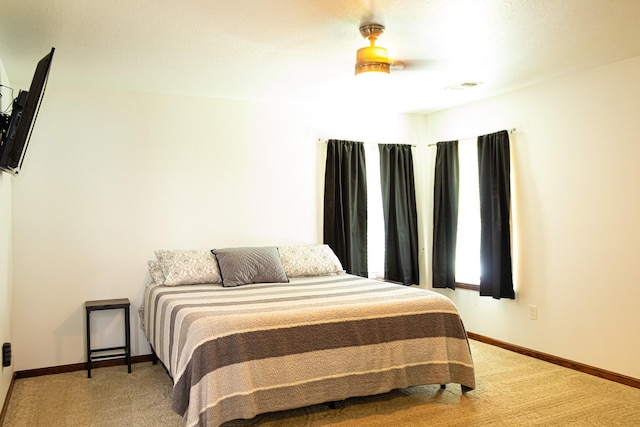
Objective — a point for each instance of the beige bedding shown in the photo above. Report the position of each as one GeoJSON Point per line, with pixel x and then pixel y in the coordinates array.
{"type": "Point", "coordinates": [241, 351]}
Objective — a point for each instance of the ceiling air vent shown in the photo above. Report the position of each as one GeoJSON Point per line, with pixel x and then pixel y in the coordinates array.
{"type": "Point", "coordinates": [463, 86]}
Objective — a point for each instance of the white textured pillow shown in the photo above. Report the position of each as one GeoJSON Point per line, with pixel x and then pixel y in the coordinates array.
{"type": "Point", "coordinates": [187, 267]}
{"type": "Point", "coordinates": [309, 260]}
{"type": "Point", "coordinates": [155, 271]}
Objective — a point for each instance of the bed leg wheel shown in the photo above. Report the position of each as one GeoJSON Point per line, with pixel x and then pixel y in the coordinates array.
{"type": "Point", "coordinates": [443, 386]}
{"type": "Point", "coordinates": [465, 389]}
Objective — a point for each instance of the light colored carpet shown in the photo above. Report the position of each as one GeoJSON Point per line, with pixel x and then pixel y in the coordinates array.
{"type": "Point", "coordinates": [512, 390]}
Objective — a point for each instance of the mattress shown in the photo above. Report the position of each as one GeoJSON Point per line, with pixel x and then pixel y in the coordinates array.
{"type": "Point", "coordinates": [237, 352]}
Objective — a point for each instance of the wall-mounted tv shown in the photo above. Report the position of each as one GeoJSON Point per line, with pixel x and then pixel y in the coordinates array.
{"type": "Point", "coordinates": [16, 126]}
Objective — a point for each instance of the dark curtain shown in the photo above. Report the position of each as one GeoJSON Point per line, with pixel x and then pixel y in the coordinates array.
{"type": "Point", "coordinates": [345, 204]}
{"type": "Point", "coordinates": [400, 214]}
{"type": "Point", "coordinates": [445, 215]}
{"type": "Point", "coordinates": [495, 216]}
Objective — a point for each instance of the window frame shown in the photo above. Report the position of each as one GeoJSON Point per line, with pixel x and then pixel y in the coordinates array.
{"type": "Point", "coordinates": [468, 286]}
{"type": "Point", "coordinates": [470, 146]}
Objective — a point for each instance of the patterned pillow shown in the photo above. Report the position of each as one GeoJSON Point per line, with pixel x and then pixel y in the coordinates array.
{"type": "Point", "coordinates": [240, 266]}
{"type": "Point", "coordinates": [310, 260]}
{"type": "Point", "coordinates": [188, 267]}
{"type": "Point", "coordinates": [155, 271]}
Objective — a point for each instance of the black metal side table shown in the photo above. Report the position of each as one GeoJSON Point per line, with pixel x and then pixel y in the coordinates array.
{"type": "Point", "coordinates": [111, 352]}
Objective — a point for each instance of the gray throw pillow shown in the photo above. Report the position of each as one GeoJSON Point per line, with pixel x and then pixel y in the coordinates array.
{"type": "Point", "coordinates": [240, 266]}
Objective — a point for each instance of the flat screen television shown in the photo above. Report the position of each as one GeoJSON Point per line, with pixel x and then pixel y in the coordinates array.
{"type": "Point", "coordinates": [16, 127]}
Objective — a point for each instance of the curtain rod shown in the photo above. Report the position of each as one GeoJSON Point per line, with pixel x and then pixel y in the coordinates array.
{"type": "Point", "coordinates": [512, 130]}
{"type": "Point", "coordinates": [324, 141]}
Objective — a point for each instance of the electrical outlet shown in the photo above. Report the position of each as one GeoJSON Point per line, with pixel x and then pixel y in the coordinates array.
{"type": "Point", "coordinates": [6, 354]}
{"type": "Point", "coordinates": [533, 312]}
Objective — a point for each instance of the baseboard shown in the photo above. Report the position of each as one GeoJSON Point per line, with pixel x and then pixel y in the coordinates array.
{"type": "Point", "coordinates": [5, 405]}
{"type": "Point", "coordinates": [79, 367]}
{"type": "Point", "coordinates": [587, 369]}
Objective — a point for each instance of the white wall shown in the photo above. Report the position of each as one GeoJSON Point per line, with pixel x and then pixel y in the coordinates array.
{"type": "Point", "coordinates": [112, 176]}
{"type": "Point", "coordinates": [576, 208]}
{"type": "Point", "coordinates": [5, 254]}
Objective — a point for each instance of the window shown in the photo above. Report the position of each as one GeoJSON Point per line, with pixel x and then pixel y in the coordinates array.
{"type": "Point", "coordinates": [369, 238]}
{"type": "Point", "coordinates": [375, 215]}
{"type": "Point", "coordinates": [457, 236]}
{"type": "Point", "coordinates": [468, 237]}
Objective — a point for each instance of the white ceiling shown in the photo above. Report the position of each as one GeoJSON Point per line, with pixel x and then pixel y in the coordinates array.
{"type": "Point", "coordinates": [303, 51]}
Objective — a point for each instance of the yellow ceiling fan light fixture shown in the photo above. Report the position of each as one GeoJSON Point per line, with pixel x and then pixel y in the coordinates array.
{"type": "Point", "coordinates": [372, 58]}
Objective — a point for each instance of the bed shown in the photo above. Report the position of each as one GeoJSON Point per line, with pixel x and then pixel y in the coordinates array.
{"type": "Point", "coordinates": [234, 351]}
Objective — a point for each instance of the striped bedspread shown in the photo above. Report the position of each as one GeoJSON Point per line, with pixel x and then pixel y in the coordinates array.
{"type": "Point", "coordinates": [237, 352]}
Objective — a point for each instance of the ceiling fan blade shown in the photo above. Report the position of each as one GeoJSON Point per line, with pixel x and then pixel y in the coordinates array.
{"type": "Point", "coordinates": [411, 64]}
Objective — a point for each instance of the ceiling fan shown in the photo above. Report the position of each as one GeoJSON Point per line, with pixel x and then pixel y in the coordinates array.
{"type": "Point", "coordinates": [374, 58]}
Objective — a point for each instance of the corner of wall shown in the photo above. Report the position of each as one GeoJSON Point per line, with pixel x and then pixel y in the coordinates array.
{"type": "Point", "coordinates": [6, 261]}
